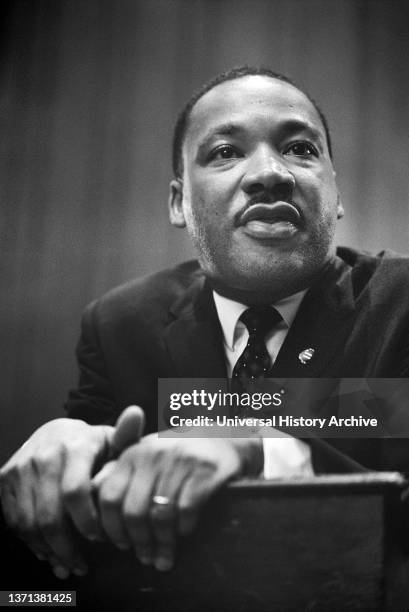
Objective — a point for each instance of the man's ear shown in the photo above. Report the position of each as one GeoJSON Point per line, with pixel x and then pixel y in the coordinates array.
{"type": "Point", "coordinates": [340, 208]}
{"type": "Point", "coordinates": [176, 214]}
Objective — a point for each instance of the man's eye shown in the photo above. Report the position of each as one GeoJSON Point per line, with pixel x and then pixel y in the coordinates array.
{"type": "Point", "coordinates": [302, 149]}
{"type": "Point", "coordinates": [224, 152]}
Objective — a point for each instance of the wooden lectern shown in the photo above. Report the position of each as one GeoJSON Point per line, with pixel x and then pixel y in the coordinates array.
{"type": "Point", "coordinates": [328, 543]}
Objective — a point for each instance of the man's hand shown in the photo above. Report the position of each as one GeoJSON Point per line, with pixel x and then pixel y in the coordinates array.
{"type": "Point", "coordinates": [46, 486]}
{"type": "Point", "coordinates": [154, 491]}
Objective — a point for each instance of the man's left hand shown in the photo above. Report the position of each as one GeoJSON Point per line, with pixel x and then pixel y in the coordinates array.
{"type": "Point", "coordinates": [155, 489]}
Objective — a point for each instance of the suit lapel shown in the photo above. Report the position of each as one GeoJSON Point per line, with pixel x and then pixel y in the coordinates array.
{"type": "Point", "coordinates": [323, 323]}
{"type": "Point", "coordinates": [194, 338]}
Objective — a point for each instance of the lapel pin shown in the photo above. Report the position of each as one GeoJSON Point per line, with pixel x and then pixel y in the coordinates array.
{"type": "Point", "coordinates": [306, 355]}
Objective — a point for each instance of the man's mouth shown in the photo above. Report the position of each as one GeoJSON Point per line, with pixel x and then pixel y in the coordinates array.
{"type": "Point", "coordinates": [271, 221]}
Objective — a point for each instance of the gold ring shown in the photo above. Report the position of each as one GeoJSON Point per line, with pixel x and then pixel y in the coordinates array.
{"type": "Point", "coordinates": [161, 500]}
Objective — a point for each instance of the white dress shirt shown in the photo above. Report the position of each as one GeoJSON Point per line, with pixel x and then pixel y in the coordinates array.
{"type": "Point", "coordinates": [284, 456]}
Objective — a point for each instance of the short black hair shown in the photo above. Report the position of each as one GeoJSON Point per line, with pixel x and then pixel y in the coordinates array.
{"type": "Point", "coordinates": [230, 75]}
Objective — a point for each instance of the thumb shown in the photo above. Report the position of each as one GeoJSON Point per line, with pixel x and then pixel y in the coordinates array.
{"type": "Point", "coordinates": [128, 429]}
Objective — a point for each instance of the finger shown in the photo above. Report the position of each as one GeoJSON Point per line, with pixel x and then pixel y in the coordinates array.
{"type": "Point", "coordinates": [54, 524]}
{"type": "Point", "coordinates": [8, 504]}
{"type": "Point", "coordinates": [163, 521]}
{"type": "Point", "coordinates": [96, 482]}
{"type": "Point", "coordinates": [136, 508]}
{"type": "Point", "coordinates": [59, 570]}
{"type": "Point", "coordinates": [22, 505]}
{"type": "Point", "coordinates": [196, 491]}
{"type": "Point", "coordinates": [65, 556]}
{"type": "Point", "coordinates": [110, 501]}
{"type": "Point", "coordinates": [128, 430]}
{"type": "Point", "coordinates": [164, 515]}
{"type": "Point", "coordinates": [19, 514]}
{"type": "Point", "coordinates": [77, 495]}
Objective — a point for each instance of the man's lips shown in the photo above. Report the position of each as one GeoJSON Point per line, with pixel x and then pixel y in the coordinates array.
{"type": "Point", "coordinates": [272, 222]}
{"type": "Point", "coordinates": [271, 213]}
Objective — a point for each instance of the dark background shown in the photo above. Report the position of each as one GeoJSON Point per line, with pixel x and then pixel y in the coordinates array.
{"type": "Point", "coordinates": [89, 91]}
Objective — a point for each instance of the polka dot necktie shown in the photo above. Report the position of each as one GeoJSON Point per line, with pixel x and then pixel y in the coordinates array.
{"type": "Point", "coordinates": [254, 362]}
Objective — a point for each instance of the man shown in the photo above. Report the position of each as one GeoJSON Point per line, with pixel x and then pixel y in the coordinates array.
{"type": "Point", "coordinates": [255, 188]}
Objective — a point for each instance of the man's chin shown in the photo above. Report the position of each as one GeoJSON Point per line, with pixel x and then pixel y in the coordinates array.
{"type": "Point", "coordinates": [270, 279]}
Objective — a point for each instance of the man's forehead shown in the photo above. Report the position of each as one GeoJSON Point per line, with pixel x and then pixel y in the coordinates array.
{"type": "Point", "coordinates": [247, 95]}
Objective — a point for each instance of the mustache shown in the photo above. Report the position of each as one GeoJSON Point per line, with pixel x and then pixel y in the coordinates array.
{"type": "Point", "coordinates": [269, 198]}
{"type": "Point", "coordinates": [278, 193]}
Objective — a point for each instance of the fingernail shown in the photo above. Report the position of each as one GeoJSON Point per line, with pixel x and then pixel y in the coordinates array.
{"type": "Point", "coordinates": [61, 572]}
{"type": "Point", "coordinates": [80, 570]}
{"type": "Point", "coordinates": [163, 564]}
{"type": "Point", "coordinates": [92, 537]}
{"type": "Point", "coordinates": [40, 556]}
{"type": "Point", "coordinates": [95, 537]}
{"type": "Point", "coordinates": [144, 556]}
{"type": "Point", "coordinates": [145, 560]}
{"type": "Point", "coordinates": [123, 545]}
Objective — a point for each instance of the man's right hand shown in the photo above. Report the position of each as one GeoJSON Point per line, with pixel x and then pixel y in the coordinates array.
{"type": "Point", "coordinates": [46, 487]}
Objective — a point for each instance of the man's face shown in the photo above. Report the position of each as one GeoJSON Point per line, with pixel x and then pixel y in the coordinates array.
{"type": "Point", "coordinates": [258, 193]}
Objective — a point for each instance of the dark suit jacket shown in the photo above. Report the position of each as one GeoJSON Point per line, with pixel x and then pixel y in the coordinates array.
{"type": "Point", "coordinates": [356, 317]}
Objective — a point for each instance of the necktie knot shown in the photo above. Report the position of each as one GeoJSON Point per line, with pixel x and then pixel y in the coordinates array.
{"type": "Point", "coordinates": [259, 320]}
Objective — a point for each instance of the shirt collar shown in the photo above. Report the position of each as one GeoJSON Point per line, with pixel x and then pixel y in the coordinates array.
{"type": "Point", "coordinates": [229, 312]}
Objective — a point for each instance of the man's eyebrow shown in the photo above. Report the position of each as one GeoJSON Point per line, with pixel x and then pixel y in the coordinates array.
{"type": "Point", "coordinates": [298, 125]}
{"type": "Point", "coordinates": [224, 129]}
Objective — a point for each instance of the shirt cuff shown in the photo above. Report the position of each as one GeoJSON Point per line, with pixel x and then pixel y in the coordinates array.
{"type": "Point", "coordinates": [285, 457]}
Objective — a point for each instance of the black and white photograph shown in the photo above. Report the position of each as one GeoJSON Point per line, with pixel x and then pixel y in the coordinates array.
{"type": "Point", "coordinates": [204, 311]}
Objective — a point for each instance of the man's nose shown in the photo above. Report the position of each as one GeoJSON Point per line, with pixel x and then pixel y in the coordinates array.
{"type": "Point", "coordinates": [267, 172]}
